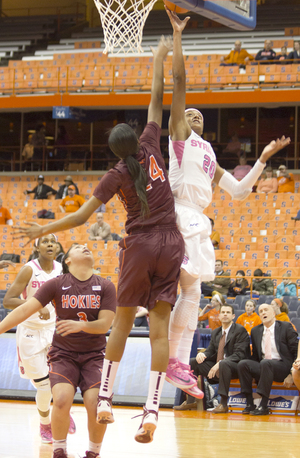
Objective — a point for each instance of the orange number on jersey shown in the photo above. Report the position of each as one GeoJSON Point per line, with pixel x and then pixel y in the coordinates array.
{"type": "Point", "coordinates": [155, 171]}
{"type": "Point", "coordinates": [82, 316]}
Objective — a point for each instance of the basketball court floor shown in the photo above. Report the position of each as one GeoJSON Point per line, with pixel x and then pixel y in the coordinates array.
{"type": "Point", "coordinates": [190, 434]}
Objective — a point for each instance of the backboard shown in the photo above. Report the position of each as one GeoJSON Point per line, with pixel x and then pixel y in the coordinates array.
{"type": "Point", "coordinates": [237, 14]}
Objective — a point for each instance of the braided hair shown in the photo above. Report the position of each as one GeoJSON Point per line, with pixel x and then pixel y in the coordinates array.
{"type": "Point", "coordinates": [124, 144]}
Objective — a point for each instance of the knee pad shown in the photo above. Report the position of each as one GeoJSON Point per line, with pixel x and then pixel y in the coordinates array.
{"type": "Point", "coordinates": [187, 305]}
{"type": "Point", "coordinates": [43, 394]}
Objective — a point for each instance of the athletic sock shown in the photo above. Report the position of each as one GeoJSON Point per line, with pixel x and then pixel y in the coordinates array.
{"type": "Point", "coordinates": [60, 444]}
{"type": "Point", "coordinates": [45, 420]}
{"type": "Point", "coordinates": [94, 447]}
{"type": "Point", "coordinates": [109, 373]}
{"type": "Point", "coordinates": [156, 383]}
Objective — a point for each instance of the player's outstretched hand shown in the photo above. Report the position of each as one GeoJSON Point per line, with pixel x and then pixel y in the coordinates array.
{"type": "Point", "coordinates": [33, 232]}
{"type": "Point", "coordinates": [177, 24]}
{"type": "Point", "coordinates": [273, 147]}
{"type": "Point", "coordinates": [165, 45]}
{"type": "Point", "coordinates": [4, 264]}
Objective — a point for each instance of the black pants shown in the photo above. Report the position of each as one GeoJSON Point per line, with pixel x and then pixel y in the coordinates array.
{"type": "Point", "coordinates": [227, 371]}
{"type": "Point", "coordinates": [264, 372]}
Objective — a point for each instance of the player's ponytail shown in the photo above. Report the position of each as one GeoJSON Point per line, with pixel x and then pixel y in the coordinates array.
{"type": "Point", "coordinates": [124, 144]}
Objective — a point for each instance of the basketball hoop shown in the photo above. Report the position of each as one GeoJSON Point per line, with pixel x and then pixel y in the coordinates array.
{"type": "Point", "coordinates": [123, 23]}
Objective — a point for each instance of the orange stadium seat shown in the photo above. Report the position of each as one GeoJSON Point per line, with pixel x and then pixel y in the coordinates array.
{"type": "Point", "coordinates": [266, 263]}
{"type": "Point", "coordinates": [294, 272]}
{"type": "Point", "coordinates": [246, 263]}
{"type": "Point", "coordinates": [284, 246]}
{"type": "Point", "coordinates": [287, 263]}
{"type": "Point", "coordinates": [266, 246]}
{"type": "Point", "coordinates": [254, 254]}
{"type": "Point", "coordinates": [228, 246]}
{"type": "Point", "coordinates": [252, 246]}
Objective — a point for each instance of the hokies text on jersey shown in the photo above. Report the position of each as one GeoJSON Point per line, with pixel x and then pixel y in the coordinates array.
{"type": "Point", "coordinates": [90, 301]}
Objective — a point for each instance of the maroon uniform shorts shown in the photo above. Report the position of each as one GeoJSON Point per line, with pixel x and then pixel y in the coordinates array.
{"type": "Point", "coordinates": [81, 370]}
{"type": "Point", "coordinates": [150, 267]}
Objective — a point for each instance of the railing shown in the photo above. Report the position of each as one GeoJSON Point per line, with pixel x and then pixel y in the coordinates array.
{"type": "Point", "coordinates": [94, 156]}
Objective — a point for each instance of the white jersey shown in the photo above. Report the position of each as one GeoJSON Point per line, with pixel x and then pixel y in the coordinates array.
{"type": "Point", "coordinates": [191, 170]}
{"type": "Point", "coordinates": [38, 278]}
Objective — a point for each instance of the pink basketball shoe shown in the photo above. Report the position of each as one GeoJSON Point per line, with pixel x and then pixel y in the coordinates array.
{"type": "Point", "coordinates": [46, 433]}
{"type": "Point", "coordinates": [72, 427]}
{"type": "Point", "coordinates": [179, 377]}
{"type": "Point", "coordinates": [194, 390]}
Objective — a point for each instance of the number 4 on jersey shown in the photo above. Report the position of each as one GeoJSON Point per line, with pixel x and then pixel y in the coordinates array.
{"type": "Point", "coordinates": [155, 172]}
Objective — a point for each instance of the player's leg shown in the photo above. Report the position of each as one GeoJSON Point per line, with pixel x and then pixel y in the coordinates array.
{"type": "Point", "coordinates": [96, 430]}
{"type": "Point", "coordinates": [183, 323]}
{"type": "Point", "coordinates": [159, 318]}
{"type": "Point", "coordinates": [63, 395]}
{"type": "Point", "coordinates": [122, 326]}
{"type": "Point", "coordinates": [43, 399]}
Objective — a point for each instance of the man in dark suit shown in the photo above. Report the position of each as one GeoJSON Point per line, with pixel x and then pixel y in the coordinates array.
{"type": "Point", "coordinates": [63, 189]}
{"type": "Point", "coordinates": [228, 345]}
{"type": "Point", "coordinates": [274, 349]}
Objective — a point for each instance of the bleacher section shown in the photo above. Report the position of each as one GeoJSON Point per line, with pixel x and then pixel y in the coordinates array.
{"type": "Point", "coordinates": [106, 255]}
{"type": "Point", "coordinates": [255, 233]}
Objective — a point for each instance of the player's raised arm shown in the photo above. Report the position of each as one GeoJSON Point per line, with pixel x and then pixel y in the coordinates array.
{"type": "Point", "coordinates": [157, 91]}
{"type": "Point", "coordinates": [178, 126]}
{"type": "Point", "coordinates": [73, 220]}
{"type": "Point", "coordinates": [240, 190]}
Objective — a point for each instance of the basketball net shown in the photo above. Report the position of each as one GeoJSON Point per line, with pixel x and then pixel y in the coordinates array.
{"type": "Point", "coordinates": [123, 23]}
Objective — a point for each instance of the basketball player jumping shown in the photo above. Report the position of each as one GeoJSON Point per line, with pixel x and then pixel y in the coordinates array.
{"type": "Point", "coordinates": [193, 168]}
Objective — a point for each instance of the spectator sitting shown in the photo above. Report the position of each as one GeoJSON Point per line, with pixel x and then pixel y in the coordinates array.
{"type": "Point", "coordinates": [211, 311]}
{"type": "Point", "coordinates": [262, 285]}
{"type": "Point", "coordinates": [5, 216]}
{"type": "Point", "coordinates": [295, 54]}
{"type": "Point", "coordinates": [286, 287]}
{"type": "Point", "coordinates": [240, 286]}
{"type": "Point", "coordinates": [283, 55]}
{"type": "Point", "coordinates": [141, 317]}
{"type": "Point", "coordinates": [237, 56]}
{"type": "Point", "coordinates": [285, 180]}
{"type": "Point", "coordinates": [72, 202]}
{"type": "Point", "coordinates": [59, 252]}
{"type": "Point", "coordinates": [229, 344]}
{"type": "Point", "coordinates": [281, 311]}
{"type": "Point", "coordinates": [267, 53]}
{"type": "Point", "coordinates": [240, 171]}
{"type": "Point", "coordinates": [215, 235]}
{"type": "Point", "coordinates": [41, 191]}
{"type": "Point", "coordinates": [274, 349]}
{"type": "Point", "coordinates": [268, 183]}
{"type": "Point", "coordinates": [63, 189]}
{"type": "Point", "coordinates": [220, 283]}
{"type": "Point", "coordinates": [249, 319]}
{"type": "Point", "coordinates": [100, 230]}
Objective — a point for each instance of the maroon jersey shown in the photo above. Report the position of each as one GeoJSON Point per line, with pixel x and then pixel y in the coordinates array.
{"type": "Point", "coordinates": [159, 194]}
{"type": "Point", "coordinates": [78, 300]}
